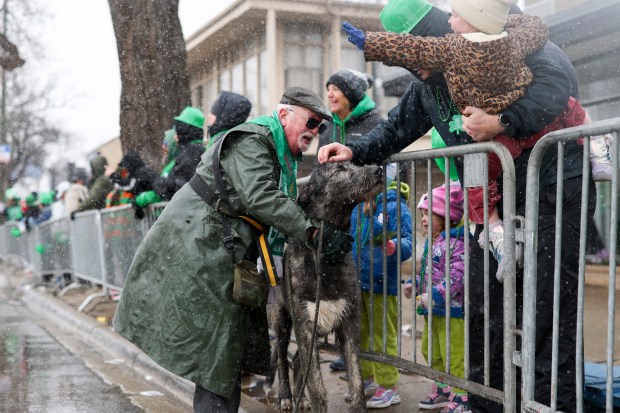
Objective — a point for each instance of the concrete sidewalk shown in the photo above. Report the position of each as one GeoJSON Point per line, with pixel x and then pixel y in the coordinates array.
{"type": "Point", "coordinates": [254, 400]}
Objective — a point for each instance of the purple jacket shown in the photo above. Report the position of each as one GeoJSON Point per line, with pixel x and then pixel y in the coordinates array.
{"type": "Point", "coordinates": [457, 269]}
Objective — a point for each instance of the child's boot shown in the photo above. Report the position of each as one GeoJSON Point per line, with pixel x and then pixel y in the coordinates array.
{"type": "Point", "coordinates": [437, 398]}
{"type": "Point", "coordinates": [459, 403]}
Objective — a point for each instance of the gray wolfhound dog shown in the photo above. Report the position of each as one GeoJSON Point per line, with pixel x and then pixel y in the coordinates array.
{"type": "Point", "coordinates": [331, 194]}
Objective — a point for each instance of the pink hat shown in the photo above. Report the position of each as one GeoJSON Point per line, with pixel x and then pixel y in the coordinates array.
{"type": "Point", "coordinates": [439, 202]}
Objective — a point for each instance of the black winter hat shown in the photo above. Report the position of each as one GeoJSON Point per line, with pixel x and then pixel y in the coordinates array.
{"type": "Point", "coordinates": [132, 162]}
{"type": "Point", "coordinates": [230, 109]}
{"type": "Point", "coordinates": [352, 83]}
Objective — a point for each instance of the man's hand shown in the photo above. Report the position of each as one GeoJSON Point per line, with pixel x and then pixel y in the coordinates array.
{"type": "Point", "coordinates": [480, 125]}
{"type": "Point", "coordinates": [336, 244]}
{"type": "Point", "coordinates": [334, 152]}
{"type": "Point", "coordinates": [356, 36]}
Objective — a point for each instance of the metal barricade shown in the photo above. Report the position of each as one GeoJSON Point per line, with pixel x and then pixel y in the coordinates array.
{"type": "Point", "coordinates": [53, 248]}
{"type": "Point", "coordinates": [153, 212]}
{"type": "Point", "coordinates": [475, 175]}
{"type": "Point", "coordinates": [532, 263]}
{"type": "Point", "coordinates": [5, 239]}
{"type": "Point", "coordinates": [122, 234]}
{"type": "Point", "coordinates": [87, 245]}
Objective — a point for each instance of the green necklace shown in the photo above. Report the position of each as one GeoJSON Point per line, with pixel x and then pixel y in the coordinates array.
{"type": "Point", "coordinates": [456, 124]}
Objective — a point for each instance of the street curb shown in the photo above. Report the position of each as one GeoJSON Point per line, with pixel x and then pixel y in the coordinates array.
{"type": "Point", "coordinates": [106, 341]}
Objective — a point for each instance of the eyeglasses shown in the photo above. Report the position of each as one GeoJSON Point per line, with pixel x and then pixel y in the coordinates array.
{"type": "Point", "coordinates": [311, 123]}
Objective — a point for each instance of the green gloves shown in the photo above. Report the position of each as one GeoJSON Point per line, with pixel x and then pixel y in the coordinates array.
{"type": "Point", "coordinates": [147, 198]}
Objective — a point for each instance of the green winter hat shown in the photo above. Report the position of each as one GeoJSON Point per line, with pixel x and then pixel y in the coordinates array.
{"type": "Point", "coordinates": [400, 16]}
{"type": "Point", "coordinates": [31, 200]}
{"type": "Point", "coordinates": [47, 198]}
{"type": "Point", "coordinates": [10, 193]}
{"type": "Point", "coordinates": [192, 116]}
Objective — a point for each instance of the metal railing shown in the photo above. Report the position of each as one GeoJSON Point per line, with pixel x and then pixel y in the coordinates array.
{"type": "Point", "coordinates": [530, 296]}
{"type": "Point", "coordinates": [99, 245]}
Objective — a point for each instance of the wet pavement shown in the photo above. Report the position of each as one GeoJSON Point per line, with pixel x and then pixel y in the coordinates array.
{"type": "Point", "coordinates": [38, 374]}
{"type": "Point", "coordinates": [46, 367]}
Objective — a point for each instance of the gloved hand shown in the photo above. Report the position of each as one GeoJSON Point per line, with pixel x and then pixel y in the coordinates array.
{"type": "Point", "coordinates": [422, 300]}
{"type": "Point", "coordinates": [336, 244]}
{"type": "Point", "coordinates": [356, 36]}
{"type": "Point", "coordinates": [138, 211]}
{"type": "Point", "coordinates": [147, 198]}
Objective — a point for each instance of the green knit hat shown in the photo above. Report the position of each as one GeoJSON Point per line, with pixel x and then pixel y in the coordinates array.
{"type": "Point", "coordinates": [192, 116]}
{"type": "Point", "coordinates": [31, 200]}
{"type": "Point", "coordinates": [400, 16]}
{"type": "Point", "coordinates": [47, 198]}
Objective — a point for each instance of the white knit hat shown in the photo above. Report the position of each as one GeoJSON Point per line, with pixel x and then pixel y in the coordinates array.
{"type": "Point", "coordinates": [488, 16]}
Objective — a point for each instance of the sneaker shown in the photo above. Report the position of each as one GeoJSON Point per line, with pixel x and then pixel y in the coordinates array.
{"type": "Point", "coordinates": [459, 403]}
{"type": "Point", "coordinates": [337, 365]}
{"type": "Point", "coordinates": [383, 398]}
{"type": "Point", "coordinates": [437, 398]}
{"type": "Point", "coordinates": [600, 158]}
{"type": "Point", "coordinates": [370, 387]}
{"type": "Point", "coordinates": [601, 257]}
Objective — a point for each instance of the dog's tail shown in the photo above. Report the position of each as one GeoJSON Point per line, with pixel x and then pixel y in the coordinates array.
{"type": "Point", "coordinates": [273, 368]}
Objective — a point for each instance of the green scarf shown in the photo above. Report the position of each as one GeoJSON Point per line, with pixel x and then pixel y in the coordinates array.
{"type": "Point", "coordinates": [365, 105]}
{"type": "Point", "coordinates": [288, 174]}
{"type": "Point", "coordinates": [215, 137]}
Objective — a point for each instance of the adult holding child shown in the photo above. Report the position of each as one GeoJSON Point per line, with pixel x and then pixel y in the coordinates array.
{"type": "Point", "coordinates": [426, 104]}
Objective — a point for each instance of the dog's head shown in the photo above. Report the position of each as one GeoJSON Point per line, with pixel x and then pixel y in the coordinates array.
{"type": "Point", "coordinates": [335, 188]}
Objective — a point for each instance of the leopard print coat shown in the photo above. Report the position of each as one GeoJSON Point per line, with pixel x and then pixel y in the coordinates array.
{"type": "Point", "coordinates": [489, 74]}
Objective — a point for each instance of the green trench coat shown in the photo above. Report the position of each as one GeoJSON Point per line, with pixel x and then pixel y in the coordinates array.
{"type": "Point", "coordinates": [177, 303]}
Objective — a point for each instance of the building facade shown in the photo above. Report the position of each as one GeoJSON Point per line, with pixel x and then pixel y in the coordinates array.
{"type": "Point", "coordinates": [258, 48]}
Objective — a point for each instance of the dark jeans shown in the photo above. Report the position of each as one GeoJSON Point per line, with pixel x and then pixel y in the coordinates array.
{"type": "Point", "coordinates": [205, 401]}
{"type": "Point", "coordinates": [571, 217]}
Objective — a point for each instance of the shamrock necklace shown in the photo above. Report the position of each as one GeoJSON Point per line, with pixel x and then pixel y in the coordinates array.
{"type": "Point", "coordinates": [456, 124]}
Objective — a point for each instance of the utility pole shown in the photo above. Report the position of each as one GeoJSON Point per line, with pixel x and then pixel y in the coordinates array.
{"type": "Point", "coordinates": [4, 167]}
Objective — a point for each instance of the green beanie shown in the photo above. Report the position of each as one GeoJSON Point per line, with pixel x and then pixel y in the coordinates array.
{"type": "Point", "coordinates": [400, 16]}
{"type": "Point", "coordinates": [191, 116]}
{"type": "Point", "coordinates": [31, 200]}
{"type": "Point", "coordinates": [437, 142]}
{"type": "Point", "coordinates": [10, 193]}
{"type": "Point", "coordinates": [47, 198]}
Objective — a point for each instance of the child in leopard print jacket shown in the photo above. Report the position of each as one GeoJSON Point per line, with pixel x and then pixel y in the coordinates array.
{"type": "Point", "coordinates": [483, 64]}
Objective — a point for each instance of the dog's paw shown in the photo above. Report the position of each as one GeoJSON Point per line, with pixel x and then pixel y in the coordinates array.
{"type": "Point", "coordinates": [286, 404]}
{"type": "Point", "coordinates": [305, 404]}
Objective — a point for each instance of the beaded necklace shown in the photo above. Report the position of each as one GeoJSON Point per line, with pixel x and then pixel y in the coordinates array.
{"type": "Point", "coordinates": [456, 124]}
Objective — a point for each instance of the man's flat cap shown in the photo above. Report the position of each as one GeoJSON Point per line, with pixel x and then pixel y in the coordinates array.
{"type": "Point", "coordinates": [300, 96]}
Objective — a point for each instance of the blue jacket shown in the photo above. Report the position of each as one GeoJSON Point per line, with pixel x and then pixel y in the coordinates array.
{"type": "Point", "coordinates": [379, 219]}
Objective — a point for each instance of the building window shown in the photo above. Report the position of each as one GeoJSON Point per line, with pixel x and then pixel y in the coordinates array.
{"type": "Point", "coordinates": [198, 97]}
{"type": "Point", "coordinates": [251, 83]}
{"type": "Point", "coordinates": [238, 84]}
{"type": "Point", "coordinates": [211, 94]}
{"type": "Point", "coordinates": [263, 65]}
{"type": "Point", "coordinates": [303, 58]}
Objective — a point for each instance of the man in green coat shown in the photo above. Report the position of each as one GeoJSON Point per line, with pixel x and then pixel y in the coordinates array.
{"type": "Point", "coordinates": [98, 187]}
{"type": "Point", "coordinates": [177, 303]}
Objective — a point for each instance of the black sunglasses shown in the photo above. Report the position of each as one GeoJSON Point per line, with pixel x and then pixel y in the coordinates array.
{"type": "Point", "coordinates": [311, 123]}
